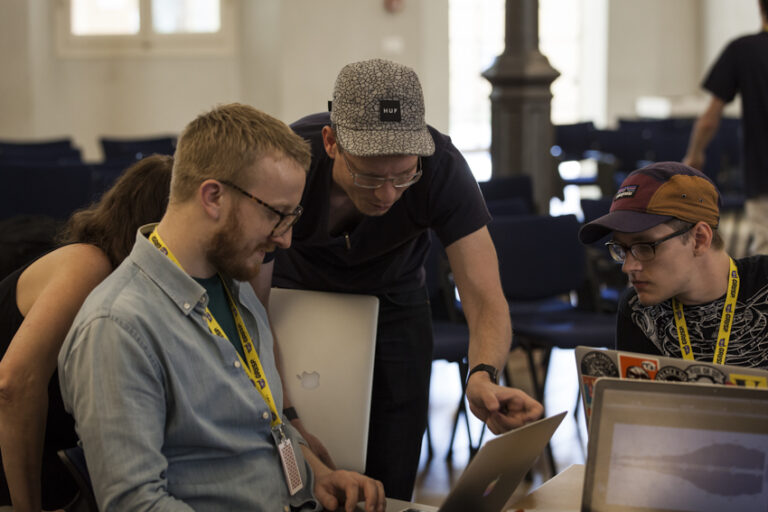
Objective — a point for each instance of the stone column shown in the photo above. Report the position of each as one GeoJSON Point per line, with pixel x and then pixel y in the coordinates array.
{"type": "Point", "coordinates": [521, 128]}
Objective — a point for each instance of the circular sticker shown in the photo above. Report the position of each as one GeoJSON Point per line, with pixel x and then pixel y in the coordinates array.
{"type": "Point", "coordinates": [597, 364]}
{"type": "Point", "coordinates": [671, 374]}
{"type": "Point", "coordinates": [703, 373]}
{"type": "Point", "coordinates": [637, 372]}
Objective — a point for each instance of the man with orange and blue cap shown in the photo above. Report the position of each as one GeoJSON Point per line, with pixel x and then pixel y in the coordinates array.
{"type": "Point", "coordinates": [688, 297]}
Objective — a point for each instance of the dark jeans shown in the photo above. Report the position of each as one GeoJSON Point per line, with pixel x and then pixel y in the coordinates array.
{"type": "Point", "coordinates": [400, 399]}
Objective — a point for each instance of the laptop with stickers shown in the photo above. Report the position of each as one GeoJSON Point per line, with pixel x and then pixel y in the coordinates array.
{"type": "Point", "coordinates": [676, 446]}
{"type": "Point", "coordinates": [592, 363]}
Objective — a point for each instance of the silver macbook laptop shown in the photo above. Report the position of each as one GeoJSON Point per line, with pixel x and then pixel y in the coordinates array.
{"type": "Point", "coordinates": [496, 470]}
{"type": "Point", "coordinates": [676, 447]}
{"type": "Point", "coordinates": [592, 363]}
{"type": "Point", "coordinates": [327, 345]}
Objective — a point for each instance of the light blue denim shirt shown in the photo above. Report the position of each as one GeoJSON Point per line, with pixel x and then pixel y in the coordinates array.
{"type": "Point", "coordinates": [166, 415]}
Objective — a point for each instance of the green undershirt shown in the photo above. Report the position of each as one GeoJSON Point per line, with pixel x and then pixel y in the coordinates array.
{"type": "Point", "coordinates": [218, 304]}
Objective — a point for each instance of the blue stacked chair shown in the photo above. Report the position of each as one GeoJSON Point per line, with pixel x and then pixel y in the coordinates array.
{"type": "Point", "coordinates": [129, 150]}
{"type": "Point", "coordinates": [542, 266]}
{"type": "Point", "coordinates": [39, 153]}
{"type": "Point", "coordinates": [53, 191]}
{"type": "Point", "coordinates": [508, 195]}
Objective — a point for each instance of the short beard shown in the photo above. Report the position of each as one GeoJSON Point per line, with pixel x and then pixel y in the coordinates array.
{"type": "Point", "coordinates": [226, 253]}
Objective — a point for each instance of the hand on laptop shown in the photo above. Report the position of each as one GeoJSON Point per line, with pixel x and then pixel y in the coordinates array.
{"type": "Point", "coordinates": [501, 408]}
{"type": "Point", "coordinates": [334, 488]}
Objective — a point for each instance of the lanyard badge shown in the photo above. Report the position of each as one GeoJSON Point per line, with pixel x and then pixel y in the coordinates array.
{"type": "Point", "coordinates": [726, 320]}
{"type": "Point", "coordinates": [255, 373]}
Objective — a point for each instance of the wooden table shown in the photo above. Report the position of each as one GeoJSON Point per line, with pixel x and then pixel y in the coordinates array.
{"type": "Point", "coordinates": [559, 494]}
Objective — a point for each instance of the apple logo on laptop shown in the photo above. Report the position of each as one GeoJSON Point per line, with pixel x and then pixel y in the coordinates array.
{"type": "Point", "coordinates": [491, 487]}
{"type": "Point", "coordinates": [309, 380]}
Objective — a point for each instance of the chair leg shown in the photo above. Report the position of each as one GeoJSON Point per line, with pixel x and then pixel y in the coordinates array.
{"type": "Point", "coordinates": [576, 409]}
{"type": "Point", "coordinates": [430, 449]}
{"type": "Point", "coordinates": [538, 389]}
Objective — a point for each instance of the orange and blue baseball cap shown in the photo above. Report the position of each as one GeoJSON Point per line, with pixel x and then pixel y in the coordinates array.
{"type": "Point", "coordinates": [655, 194]}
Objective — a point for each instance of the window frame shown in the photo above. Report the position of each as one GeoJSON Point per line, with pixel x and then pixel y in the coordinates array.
{"type": "Point", "coordinates": [146, 42]}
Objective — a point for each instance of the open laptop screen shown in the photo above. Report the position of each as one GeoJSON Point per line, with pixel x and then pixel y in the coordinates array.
{"type": "Point", "coordinates": [672, 446]}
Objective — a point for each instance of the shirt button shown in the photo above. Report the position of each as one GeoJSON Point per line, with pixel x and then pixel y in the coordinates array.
{"type": "Point", "coordinates": [186, 305]}
{"type": "Point", "coordinates": [237, 364]}
{"type": "Point", "coordinates": [265, 415]}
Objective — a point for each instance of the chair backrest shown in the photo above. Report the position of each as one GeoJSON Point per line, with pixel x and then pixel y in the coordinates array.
{"type": "Point", "coordinates": [327, 345]}
{"type": "Point", "coordinates": [573, 140]}
{"type": "Point", "coordinates": [68, 156]}
{"type": "Point", "coordinates": [55, 191]}
{"type": "Point", "coordinates": [40, 146]}
{"type": "Point", "coordinates": [518, 188]}
{"type": "Point", "coordinates": [539, 256]}
{"type": "Point", "coordinates": [74, 460]}
{"type": "Point", "coordinates": [594, 208]}
{"type": "Point", "coordinates": [24, 238]}
{"type": "Point", "coordinates": [128, 149]}
{"type": "Point", "coordinates": [440, 287]}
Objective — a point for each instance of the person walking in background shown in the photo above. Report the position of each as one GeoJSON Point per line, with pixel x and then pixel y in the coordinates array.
{"type": "Point", "coordinates": [742, 68]}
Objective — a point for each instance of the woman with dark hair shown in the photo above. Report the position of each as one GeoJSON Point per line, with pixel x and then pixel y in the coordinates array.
{"type": "Point", "coordinates": [38, 303]}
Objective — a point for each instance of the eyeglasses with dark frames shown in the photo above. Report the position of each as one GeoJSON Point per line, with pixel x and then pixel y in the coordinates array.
{"type": "Point", "coordinates": [367, 181]}
{"type": "Point", "coordinates": [286, 220]}
{"type": "Point", "coordinates": [641, 251]}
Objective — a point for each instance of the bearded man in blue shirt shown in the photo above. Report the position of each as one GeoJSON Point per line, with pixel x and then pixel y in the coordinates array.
{"type": "Point", "coordinates": [169, 368]}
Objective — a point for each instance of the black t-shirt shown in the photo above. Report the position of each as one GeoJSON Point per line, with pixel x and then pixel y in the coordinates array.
{"type": "Point", "coordinates": [743, 68]}
{"type": "Point", "coordinates": [651, 329]}
{"type": "Point", "coordinates": [384, 254]}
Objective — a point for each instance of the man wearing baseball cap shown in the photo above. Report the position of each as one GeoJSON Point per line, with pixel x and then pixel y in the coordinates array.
{"type": "Point", "coordinates": [688, 298]}
{"type": "Point", "coordinates": [380, 178]}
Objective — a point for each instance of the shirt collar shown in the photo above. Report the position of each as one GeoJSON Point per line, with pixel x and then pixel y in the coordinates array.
{"type": "Point", "coordinates": [179, 286]}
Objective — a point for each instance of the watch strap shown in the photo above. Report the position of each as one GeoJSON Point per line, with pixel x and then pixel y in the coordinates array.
{"type": "Point", "coordinates": [482, 367]}
{"type": "Point", "coordinates": [289, 413]}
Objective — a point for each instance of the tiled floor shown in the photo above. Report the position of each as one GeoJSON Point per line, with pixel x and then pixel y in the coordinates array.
{"type": "Point", "coordinates": [437, 475]}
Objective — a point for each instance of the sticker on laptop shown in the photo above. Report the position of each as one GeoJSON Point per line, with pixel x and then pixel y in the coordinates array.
{"type": "Point", "coordinates": [704, 373]}
{"type": "Point", "coordinates": [588, 386]}
{"type": "Point", "coordinates": [598, 364]}
{"type": "Point", "coordinates": [671, 374]}
{"type": "Point", "coordinates": [748, 381]}
{"type": "Point", "coordinates": [633, 367]}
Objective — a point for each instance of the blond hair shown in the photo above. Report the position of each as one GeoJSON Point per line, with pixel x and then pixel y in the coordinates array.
{"type": "Point", "coordinates": [222, 143]}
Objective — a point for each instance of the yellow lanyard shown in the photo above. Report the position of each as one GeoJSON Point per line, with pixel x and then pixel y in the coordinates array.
{"type": "Point", "coordinates": [726, 320]}
{"type": "Point", "coordinates": [253, 369]}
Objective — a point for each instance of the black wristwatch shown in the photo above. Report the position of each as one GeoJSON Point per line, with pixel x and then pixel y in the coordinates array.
{"type": "Point", "coordinates": [482, 367]}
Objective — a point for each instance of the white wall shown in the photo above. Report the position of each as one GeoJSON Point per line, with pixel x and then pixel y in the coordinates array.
{"type": "Point", "coordinates": [653, 50]}
{"type": "Point", "coordinates": [287, 56]}
{"type": "Point", "coordinates": [722, 21]}
{"type": "Point", "coordinates": [288, 53]}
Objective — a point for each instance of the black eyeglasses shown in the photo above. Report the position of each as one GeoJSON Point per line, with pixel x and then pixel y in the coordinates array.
{"type": "Point", "coordinates": [641, 251]}
{"type": "Point", "coordinates": [373, 182]}
{"type": "Point", "coordinates": [286, 220]}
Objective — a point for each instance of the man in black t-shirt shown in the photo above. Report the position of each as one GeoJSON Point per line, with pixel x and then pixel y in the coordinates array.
{"type": "Point", "coordinates": [380, 178]}
{"type": "Point", "coordinates": [688, 297]}
{"type": "Point", "coordinates": [742, 68]}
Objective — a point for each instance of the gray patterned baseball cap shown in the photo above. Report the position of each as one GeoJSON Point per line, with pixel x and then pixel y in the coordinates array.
{"type": "Point", "coordinates": [378, 109]}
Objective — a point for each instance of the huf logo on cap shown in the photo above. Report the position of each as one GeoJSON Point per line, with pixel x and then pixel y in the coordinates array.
{"type": "Point", "coordinates": [624, 192]}
{"type": "Point", "coordinates": [389, 111]}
